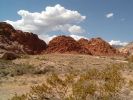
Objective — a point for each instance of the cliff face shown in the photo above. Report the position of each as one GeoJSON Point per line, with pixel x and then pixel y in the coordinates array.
{"type": "Point", "coordinates": [19, 41]}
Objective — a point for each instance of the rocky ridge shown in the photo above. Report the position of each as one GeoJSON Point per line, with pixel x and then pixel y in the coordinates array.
{"type": "Point", "coordinates": [18, 41]}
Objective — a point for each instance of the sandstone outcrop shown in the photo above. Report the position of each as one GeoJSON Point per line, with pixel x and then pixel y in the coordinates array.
{"type": "Point", "coordinates": [65, 44]}
{"type": "Point", "coordinates": [98, 47]}
{"type": "Point", "coordinates": [18, 41]}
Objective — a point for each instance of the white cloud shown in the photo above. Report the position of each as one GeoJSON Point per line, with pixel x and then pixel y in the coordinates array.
{"type": "Point", "coordinates": [109, 15]}
{"type": "Point", "coordinates": [56, 18]}
{"type": "Point", "coordinates": [113, 42]}
{"type": "Point", "coordinates": [76, 29]}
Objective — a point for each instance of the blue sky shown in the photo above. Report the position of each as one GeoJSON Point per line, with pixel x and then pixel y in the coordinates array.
{"type": "Point", "coordinates": [119, 26]}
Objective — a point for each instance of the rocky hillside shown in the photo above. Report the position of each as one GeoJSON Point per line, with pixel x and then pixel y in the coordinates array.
{"type": "Point", "coordinates": [98, 46]}
{"type": "Point", "coordinates": [65, 44]}
{"type": "Point", "coordinates": [18, 41]}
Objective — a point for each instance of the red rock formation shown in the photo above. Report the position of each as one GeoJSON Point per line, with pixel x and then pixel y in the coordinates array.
{"type": "Point", "coordinates": [18, 41]}
{"type": "Point", "coordinates": [98, 46]}
{"type": "Point", "coordinates": [25, 42]}
{"type": "Point", "coordinates": [32, 44]}
{"type": "Point", "coordinates": [65, 44]}
{"type": "Point", "coordinates": [83, 42]}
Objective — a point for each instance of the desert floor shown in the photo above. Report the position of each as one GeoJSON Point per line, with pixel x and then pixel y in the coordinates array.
{"type": "Point", "coordinates": [20, 78]}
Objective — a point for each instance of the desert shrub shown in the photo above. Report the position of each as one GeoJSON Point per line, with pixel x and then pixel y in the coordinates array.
{"type": "Point", "coordinates": [16, 97]}
{"type": "Point", "coordinates": [131, 84]}
{"type": "Point", "coordinates": [7, 68]}
{"type": "Point", "coordinates": [54, 88]}
{"type": "Point", "coordinates": [82, 88]}
{"type": "Point", "coordinates": [41, 58]}
{"type": "Point", "coordinates": [5, 62]}
{"type": "Point", "coordinates": [113, 82]}
{"type": "Point", "coordinates": [130, 58]}
{"type": "Point", "coordinates": [25, 56]}
{"type": "Point", "coordinates": [94, 84]}
{"type": "Point", "coordinates": [21, 69]}
{"type": "Point", "coordinates": [43, 70]}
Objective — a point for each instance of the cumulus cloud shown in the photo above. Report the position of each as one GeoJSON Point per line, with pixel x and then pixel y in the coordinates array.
{"type": "Point", "coordinates": [109, 15]}
{"type": "Point", "coordinates": [113, 42]}
{"type": "Point", "coordinates": [56, 18]}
